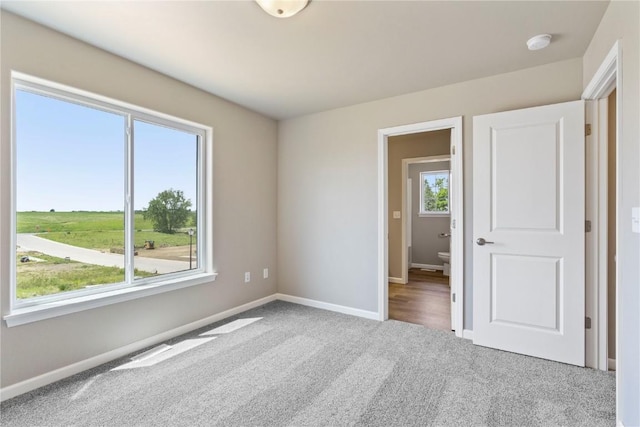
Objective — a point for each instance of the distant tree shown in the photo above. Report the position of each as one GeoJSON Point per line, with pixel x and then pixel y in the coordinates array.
{"type": "Point", "coordinates": [52, 210]}
{"type": "Point", "coordinates": [429, 198]}
{"type": "Point", "coordinates": [442, 196]}
{"type": "Point", "coordinates": [168, 211]}
{"type": "Point", "coordinates": [436, 196]}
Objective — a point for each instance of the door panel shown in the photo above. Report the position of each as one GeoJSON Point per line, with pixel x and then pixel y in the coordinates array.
{"type": "Point", "coordinates": [528, 169]}
{"type": "Point", "coordinates": [518, 184]}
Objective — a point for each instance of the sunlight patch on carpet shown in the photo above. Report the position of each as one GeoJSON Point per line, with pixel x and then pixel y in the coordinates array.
{"type": "Point", "coordinates": [85, 387]}
{"type": "Point", "coordinates": [232, 326]}
{"type": "Point", "coordinates": [164, 353]}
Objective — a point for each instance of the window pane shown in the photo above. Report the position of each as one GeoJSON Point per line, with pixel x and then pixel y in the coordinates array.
{"type": "Point", "coordinates": [166, 194]}
{"type": "Point", "coordinates": [69, 196]}
{"type": "Point", "coordinates": [435, 188]}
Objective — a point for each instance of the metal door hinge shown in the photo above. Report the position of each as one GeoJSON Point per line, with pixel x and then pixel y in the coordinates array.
{"type": "Point", "coordinates": [587, 226]}
{"type": "Point", "coordinates": [587, 322]}
{"type": "Point", "coordinates": [587, 129]}
{"type": "Point", "coordinates": [453, 150]}
{"type": "Point", "coordinates": [453, 297]}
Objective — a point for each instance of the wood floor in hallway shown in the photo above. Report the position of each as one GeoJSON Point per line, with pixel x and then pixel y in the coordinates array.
{"type": "Point", "coordinates": [424, 300]}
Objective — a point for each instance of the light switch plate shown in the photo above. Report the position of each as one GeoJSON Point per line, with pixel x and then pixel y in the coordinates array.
{"type": "Point", "coordinates": [396, 214]}
{"type": "Point", "coordinates": [635, 220]}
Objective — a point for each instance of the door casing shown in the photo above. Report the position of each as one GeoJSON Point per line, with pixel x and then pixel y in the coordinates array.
{"type": "Point", "coordinates": [605, 80]}
{"type": "Point", "coordinates": [457, 214]}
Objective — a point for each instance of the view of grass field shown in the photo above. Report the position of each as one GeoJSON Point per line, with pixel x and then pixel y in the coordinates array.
{"type": "Point", "coordinates": [94, 230]}
{"type": "Point", "coordinates": [41, 274]}
{"type": "Point", "coordinates": [80, 232]}
{"type": "Point", "coordinates": [48, 275]}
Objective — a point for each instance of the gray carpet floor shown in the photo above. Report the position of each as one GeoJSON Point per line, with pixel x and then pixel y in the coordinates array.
{"type": "Point", "coordinates": [300, 366]}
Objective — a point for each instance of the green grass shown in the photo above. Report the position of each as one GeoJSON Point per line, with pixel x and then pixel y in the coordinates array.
{"type": "Point", "coordinates": [105, 240]}
{"type": "Point", "coordinates": [54, 275]}
{"type": "Point", "coordinates": [40, 222]}
{"type": "Point", "coordinates": [94, 230]}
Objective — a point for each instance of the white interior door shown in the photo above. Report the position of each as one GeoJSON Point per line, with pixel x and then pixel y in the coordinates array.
{"type": "Point", "coordinates": [528, 206]}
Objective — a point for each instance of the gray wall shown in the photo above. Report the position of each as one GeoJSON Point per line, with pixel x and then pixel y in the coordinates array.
{"type": "Point", "coordinates": [328, 180]}
{"type": "Point", "coordinates": [621, 22]}
{"type": "Point", "coordinates": [245, 237]}
{"type": "Point", "coordinates": [410, 146]}
{"type": "Point", "coordinates": [425, 243]}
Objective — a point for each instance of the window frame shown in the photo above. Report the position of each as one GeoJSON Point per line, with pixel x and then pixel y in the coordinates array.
{"type": "Point", "coordinates": [20, 311]}
{"type": "Point", "coordinates": [421, 211]}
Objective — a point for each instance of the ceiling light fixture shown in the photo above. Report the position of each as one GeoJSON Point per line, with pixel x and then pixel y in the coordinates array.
{"type": "Point", "coordinates": [282, 8]}
{"type": "Point", "coordinates": [539, 42]}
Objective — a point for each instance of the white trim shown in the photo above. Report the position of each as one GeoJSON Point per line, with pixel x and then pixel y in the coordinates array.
{"type": "Point", "coordinates": [383, 229]}
{"type": "Point", "coordinates": [433, 214]}
{"type": "Point", "coordinates": [328, 306]}
{"type": "Point", "coordinates": [398, 280]}
{"type": "Point", "coordinates": [467, 334]}
{"type": "Point", "coordinates": [106, 102]}
{"type": "Point", "coordinates": [431, 266]}
{"type": "Point", "coordinates": [34, 313]}
{"type": "Point", "coordinates": [619, 423]}
{"type": "Point", "coordinates": [66, 371]}
{"type": "Point", "coordinates": [457, 238]}
{"type": "Point", "coordinates": [611, 364]}
{"type": "Point", "coordinates": [606, 78]}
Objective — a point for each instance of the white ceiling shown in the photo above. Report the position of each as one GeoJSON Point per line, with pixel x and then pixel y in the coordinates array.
{"type": "Point", "coordinates": [332, 54]}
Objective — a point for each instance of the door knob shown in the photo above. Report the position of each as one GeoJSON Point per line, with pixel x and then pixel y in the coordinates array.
{"type": "Point", "coordinates": [482, 242]}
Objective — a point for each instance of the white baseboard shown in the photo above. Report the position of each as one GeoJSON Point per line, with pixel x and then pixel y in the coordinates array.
{"type": "Point", "coordinates": [429, 266]}
{"type": "Point", "coordinates": [611, 365]}
{"type": "Point", "coordinates": [619, 423]}
{"type": "Point", "coordinates": [328, 306]}
{"type": "Point", "coordinates": [66, 371]}
{"type": "Point", "coordinates": [396, 280]}
{"type": "Point", "coordinates": [467, 334]}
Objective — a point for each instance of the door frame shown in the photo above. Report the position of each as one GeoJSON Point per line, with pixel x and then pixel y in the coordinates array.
{"type": "Point", "coordinates": [607, 78]}
{"type": "Point", "coordinates": [457, 213]}
{"type": "Point", "coordinates": [406, 221]}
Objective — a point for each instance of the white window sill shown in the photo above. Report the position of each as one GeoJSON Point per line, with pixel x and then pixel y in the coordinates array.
{"type": "Point", "coordinates": [426, 215]}
{"type": "Point", "coordinates": [21, 316]}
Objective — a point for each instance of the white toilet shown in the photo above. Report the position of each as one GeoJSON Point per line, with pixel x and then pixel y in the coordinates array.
{"type": "Point", "coordinates": [445, 256]}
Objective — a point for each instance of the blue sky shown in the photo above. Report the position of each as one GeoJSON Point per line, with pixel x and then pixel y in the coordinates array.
{"type": "Point", "coordinates": [71, 157]}
{"type": "Point", "coordinates": [430, 178]}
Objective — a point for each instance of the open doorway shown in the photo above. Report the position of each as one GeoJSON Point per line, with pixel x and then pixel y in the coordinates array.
{"type": "Point", "coordinates": [420, 228]}
{"type": "Point", "coordinates": [412, 282]}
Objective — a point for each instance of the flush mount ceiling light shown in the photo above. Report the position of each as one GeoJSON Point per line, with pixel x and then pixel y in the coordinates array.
{"type": "Point", "coordinates": [282, 8]}
{"type": "Point", "coordinates": [539, 42]}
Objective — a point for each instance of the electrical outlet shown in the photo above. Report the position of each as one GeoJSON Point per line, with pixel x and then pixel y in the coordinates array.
{"type": "Point", "coordinates": [247, 277]}
{"type": "Point", "coordinates": [265, 273]}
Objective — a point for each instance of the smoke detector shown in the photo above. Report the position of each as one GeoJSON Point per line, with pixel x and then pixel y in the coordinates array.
{"type": "Point", "coordinates": [539, 42]}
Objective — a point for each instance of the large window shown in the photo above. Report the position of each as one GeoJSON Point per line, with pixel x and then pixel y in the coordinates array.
{"type": "Point", "coordinates": [106, 195]}
{"type": "Point", "coordinates": [434, 193]}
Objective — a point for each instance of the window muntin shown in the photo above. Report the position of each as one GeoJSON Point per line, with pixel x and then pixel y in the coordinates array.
{"type": "Point", "coordinates": [434, 192]}
{"type": "Point", "coordinates": [91, 182]}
